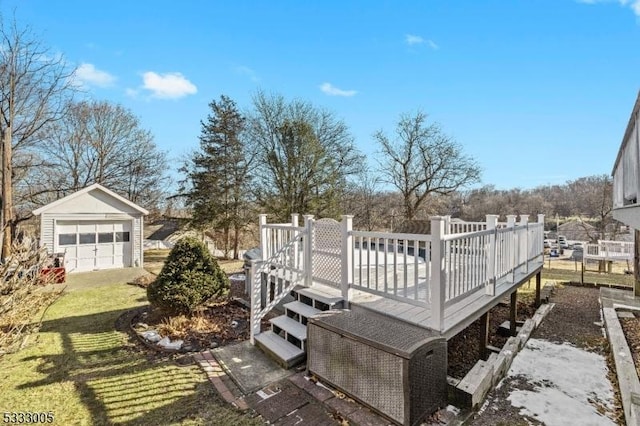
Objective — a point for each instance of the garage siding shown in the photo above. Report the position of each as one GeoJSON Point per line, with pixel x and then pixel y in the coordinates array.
{"type": "Point", "coordinates": [47, 231]}
{"type": "Point", "coordinates": [137, 241]}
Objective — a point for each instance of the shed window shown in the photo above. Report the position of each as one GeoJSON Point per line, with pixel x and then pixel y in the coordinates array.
{"type": "Point", "coordinates": [87, 238]}
{"type": "Point", "coordinates": [66, 239]}
{"type": "Point", "coordinates": [105, 237]}
{"type": "Point", "coordinates": [122, 237]}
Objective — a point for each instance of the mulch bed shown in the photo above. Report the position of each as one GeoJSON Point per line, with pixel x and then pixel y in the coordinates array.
{"type": "Point", "coordinates": [631, 329]}
{"type": "Point", "coordinates": [464, 348]}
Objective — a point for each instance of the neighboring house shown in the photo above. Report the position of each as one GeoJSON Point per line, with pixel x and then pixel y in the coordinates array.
{"type": "Point", "coordinates": [626, 184]}
{"type": "Point", "coordinates": [95, 228]}
{"type": "Point", "coordinates": [578, 230]}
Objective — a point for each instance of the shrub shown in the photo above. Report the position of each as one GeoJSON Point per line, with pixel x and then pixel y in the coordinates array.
{"type": "Point", "coordinates": [190, 277]}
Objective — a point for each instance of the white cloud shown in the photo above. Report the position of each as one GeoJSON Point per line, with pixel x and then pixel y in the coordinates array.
{"type": "Point", "coordinates": [246, 71]}
{"type": "Point", "coordinates": [413, 39]}
{"type": "Point", "coordinates": [331, 90]}
{"type": "Point", "coordinates": [634, 5]}
{"type": "Point", "coordinates": [168, 86]}
{"type": "Point", "coordinates": [89, 75]}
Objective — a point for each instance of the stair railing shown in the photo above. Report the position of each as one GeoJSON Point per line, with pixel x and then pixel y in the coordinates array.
{"type": "Point", "coordinates": [282, 271]}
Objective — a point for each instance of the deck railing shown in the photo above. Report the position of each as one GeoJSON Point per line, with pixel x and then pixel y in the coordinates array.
{"type": "Point", "coordinates": [281, 269]}
{"type": "Point", "coordinates": [431, 271]}
{"type": "Point", "coordinates": [392, 265]}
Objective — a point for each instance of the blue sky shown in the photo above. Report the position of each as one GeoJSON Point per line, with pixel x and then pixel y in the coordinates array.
{"type": "Point", "coordinates": [539, 92]}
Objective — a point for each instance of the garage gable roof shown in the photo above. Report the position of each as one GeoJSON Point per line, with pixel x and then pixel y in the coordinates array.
{"type": "Point", "coordinates": [94, 187]}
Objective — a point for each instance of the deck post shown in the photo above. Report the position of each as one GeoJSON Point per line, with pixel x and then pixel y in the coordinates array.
{"type": "Point", "coordinates": [347, 258]}
{"type": "Point", "coordinates": [294, 235]}
{"type": "Point", "coordinates": [255, 299]}
{"type": "Point", "coordinates": [447, 225]}
{"type": "Point", "coordinates": [484, 335]}
{"type": "Point", "coordinates": [308, 250]}
{"type": "Point", "coordinates": [538, 283]}
{"type": "Point", "coordinates": [524, 221]}
{"type": "Point", "coordinates": [513, 313]}
{"type": "Point", "coordinates": [511, 223]}
{"type": "Point", "coordinates": [438, 276]}
{"type": "Point", "coordinates": [264, 246]}
{"type": "Point", "coordinates": [492, 224]}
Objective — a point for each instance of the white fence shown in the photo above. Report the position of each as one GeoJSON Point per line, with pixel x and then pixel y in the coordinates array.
{"type": "Point", "coordinates": [609, 250]}
{"type": "Point", "coordinates": [157, 244]}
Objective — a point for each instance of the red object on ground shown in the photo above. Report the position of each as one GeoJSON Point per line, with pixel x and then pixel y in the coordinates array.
{"type": "Point", "coordinates": [59, 274]}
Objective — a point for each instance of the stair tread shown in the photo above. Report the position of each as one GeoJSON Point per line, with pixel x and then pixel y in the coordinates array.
{"type": "Point", "coordinates": [291, 326]}
{"type": "Point", "coordinates": [317, 294]}
{"type": "Point", "coordinates": [302, 309]}
{"type": "Point", "coordinates": [278, 346]}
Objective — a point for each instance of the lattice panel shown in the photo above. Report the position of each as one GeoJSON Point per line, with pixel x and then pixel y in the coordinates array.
{"type": "Point", "coordinates": [327, 252]}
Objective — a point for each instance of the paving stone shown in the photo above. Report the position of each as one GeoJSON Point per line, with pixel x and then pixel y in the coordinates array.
{"type": "Point", "coordinates": [364, 417]}
{"type": "Point", "coordinates": [625, 314]}
{"type": "Point", "coordinates": [309, 414]}
{"type": "Point", "coordinates": [318, 392]}
{"type": "Point", "coordinates": [342, 406]}
{"type": "Point", "coordinates": [241, 404]}
{"type": "Point", "coordinates": [279, 405]}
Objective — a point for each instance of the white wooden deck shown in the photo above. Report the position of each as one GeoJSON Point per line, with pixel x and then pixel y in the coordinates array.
{"type": "Point", "coordinates": [458, 315]}
{"type": "Point", "coordinates": [438, 281]}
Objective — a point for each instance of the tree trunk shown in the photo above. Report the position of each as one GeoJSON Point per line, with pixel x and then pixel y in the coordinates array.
{"type": "Point", "coordinates": [7, 196]}
{"type": "Point", "coordinates": [236, 242]}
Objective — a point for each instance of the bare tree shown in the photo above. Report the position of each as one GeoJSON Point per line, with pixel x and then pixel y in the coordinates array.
{"type": "Point", "coordinates": [99, 142]}
{"type": "Point", "coordinates": [591, 197]}
{"type": "Point", "coordinates": [421, 160]}
{"type": "Point", "coordinates": [304, 156]}
{"type": "Point", "coordinates": [34, 86]}
{"type": "Point", "coordinates": [362, 200]}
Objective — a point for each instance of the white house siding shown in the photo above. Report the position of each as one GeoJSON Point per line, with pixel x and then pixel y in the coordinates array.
{"type": "Point", "coordinates": [47, 231]}
{"type": "Point", "coordinates": [137, 241]}
{"type": "Point", "coordinates": [626, 174]}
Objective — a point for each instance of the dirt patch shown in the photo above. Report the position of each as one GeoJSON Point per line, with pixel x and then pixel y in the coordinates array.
{"type": "Point", "coordinates": [575, 319]}
{"type": "Point", "coordinates": [464, 348]}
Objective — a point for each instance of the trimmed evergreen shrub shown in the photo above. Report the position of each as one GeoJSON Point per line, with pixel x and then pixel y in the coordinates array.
{"type": "Point", "coordinates": [190, 277]}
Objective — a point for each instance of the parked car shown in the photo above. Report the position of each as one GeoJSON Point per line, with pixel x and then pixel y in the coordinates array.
{"type": "Point", "coordinates": [562, 242]}
{"type": "Point", "coordinates": [578, 246]}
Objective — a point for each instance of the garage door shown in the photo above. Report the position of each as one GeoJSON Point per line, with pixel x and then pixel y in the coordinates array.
{"type": "Point", "coordinates": [94, 245]}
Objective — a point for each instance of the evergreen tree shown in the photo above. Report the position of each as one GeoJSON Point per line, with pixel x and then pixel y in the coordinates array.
{"type": "Point", "coordinates": [219, 175]}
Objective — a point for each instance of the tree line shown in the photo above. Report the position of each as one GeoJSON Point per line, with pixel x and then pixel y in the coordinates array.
{"type": "Point", "coordinates": [289, 156]}
{"type": "Point", "coordinates": [56, 141]}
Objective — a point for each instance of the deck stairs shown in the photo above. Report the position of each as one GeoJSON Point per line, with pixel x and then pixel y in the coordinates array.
{"type": "Point", "coordinates": [286, 341]}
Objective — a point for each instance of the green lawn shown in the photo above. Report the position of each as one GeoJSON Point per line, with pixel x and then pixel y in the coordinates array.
{"type": "Point", "coordinates": [86, 373]}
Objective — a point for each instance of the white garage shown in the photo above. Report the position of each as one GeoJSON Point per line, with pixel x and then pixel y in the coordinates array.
{"type": "Point", "coordinates": [95, 228]}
